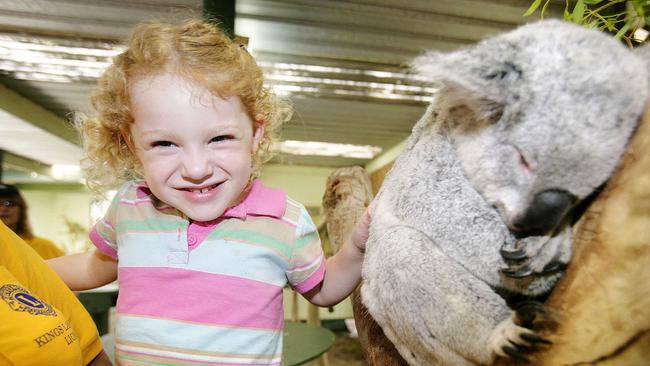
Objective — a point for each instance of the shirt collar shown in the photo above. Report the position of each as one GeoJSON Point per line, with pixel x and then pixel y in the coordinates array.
{"type": "Point", "coordinates": [260, 201]}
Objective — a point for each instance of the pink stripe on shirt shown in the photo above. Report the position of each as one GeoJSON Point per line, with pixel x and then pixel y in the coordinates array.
{"type": "Point", "coordinates": [312, 281]}
{"type": "Point", "coordinates": [187, 295]}
{"type": "Point", "coordinates": [101, 244]}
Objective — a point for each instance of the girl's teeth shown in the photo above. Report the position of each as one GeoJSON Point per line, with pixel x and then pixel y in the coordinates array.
{"type": "Point", "coordinates": [202, 190]}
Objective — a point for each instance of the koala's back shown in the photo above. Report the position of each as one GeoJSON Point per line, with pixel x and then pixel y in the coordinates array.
{"type": "Point", "coordinates": [426, 190]}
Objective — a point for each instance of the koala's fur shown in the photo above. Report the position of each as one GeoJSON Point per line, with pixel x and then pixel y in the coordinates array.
{"type": "Point", "coordinates": [548, 106]}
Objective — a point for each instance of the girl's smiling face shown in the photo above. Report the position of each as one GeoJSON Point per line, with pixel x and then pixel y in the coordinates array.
{"type": "Point", "coordinates": [195, 148]}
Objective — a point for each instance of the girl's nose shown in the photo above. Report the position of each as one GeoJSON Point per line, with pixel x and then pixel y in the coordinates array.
{"type": "Point", "coordinates": [196, 166]}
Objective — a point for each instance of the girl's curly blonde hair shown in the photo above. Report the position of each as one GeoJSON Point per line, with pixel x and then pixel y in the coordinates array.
{"type": "Point", "coordinates": [196, 50]}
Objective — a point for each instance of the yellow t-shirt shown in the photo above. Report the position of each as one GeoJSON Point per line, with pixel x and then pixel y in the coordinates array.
{"type": "Point", "coordinates": [42, 322]}
{"type": "Point", "coordinates": [44, 247]}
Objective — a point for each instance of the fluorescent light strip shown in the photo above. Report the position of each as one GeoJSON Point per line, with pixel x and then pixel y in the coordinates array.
{"type": "Point", "coordinates": [355, 83]}
{"type": "Point", "coordinates": [37, 76]}
{"type": "Point", "coordinates": [42, 60]}
{"type": "Point", "coordinates": [27, 43]}
{"type": "Point", "coordinates": [316, 148]}
{"type": "Point", "coordinates": [73, 72]}
{"type": "Point", "coordinates": [339, 70]}
{"type": "Point", "coordinates": [286, 90]}
{"type": "Point", "coordinates": [37, 58]}
{"type": "Point", "coordinates": [66, 172]}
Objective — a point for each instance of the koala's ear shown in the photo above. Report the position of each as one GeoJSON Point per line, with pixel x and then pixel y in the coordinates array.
{"type": "Point", "coordinates": [449, 69]}
{"type": "Point", "coordinates": [464, 85]}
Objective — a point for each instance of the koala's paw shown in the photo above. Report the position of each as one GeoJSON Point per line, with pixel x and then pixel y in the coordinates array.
{"type": "Point", "coordinates": [536, 255]}
{"type": "Point", "coordinates": [514, 337]}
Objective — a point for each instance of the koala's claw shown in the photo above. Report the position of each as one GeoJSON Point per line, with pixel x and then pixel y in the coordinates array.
{"type": "Point", "coordinates": [510, 340]}
{"type": "Point", "coordinates": [535, 339]}
{"type": "Point", "coordinates": [514, 337]}
{"type": "Point", "coordinates": [517, 352]}
{"type": "Point", "coordinates": [523, 271]}
{"type": "Point", "coordinates": [553, 267]}
{"type": "Point", "coordinates": [518, 255]}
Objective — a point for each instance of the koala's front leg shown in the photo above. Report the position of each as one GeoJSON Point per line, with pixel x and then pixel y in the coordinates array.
{"type": "Point", "coordinates": [513, 337]}
{"type": "Point", "coordinates": [433, 309]}
{"type": "Point", "coordinates": [538, 255]}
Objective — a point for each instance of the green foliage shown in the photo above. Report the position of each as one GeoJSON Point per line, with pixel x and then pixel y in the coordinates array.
{"type": "Point", "coordinates": [620, 17]}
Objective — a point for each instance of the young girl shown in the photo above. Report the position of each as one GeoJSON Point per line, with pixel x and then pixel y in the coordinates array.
{"type": "Point", "coordinates": [201, 248]}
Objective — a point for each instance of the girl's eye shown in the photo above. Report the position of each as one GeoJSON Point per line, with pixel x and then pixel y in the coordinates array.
{"type": "Point", "coordinates": [222, 138]}
{"type": "Point", "coordinates": [162, 144]}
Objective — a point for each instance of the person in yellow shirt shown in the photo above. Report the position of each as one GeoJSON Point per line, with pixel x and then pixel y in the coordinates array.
{"type": "Point", "coordinates": [13, 212]}
{"type": "Point", "coordinates": [43, 323]}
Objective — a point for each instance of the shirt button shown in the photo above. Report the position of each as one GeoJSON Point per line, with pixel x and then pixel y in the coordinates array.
{"type": "Point", "coordinates": [191, 239]}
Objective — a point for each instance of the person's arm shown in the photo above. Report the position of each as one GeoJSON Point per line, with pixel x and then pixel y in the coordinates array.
{"type": "Point", "coordinates": [343, 270]}
{"type": "Point", "coordinates": [86, 270]}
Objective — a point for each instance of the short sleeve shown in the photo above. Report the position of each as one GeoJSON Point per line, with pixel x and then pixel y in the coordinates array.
{"type": "Point", "coordinates": [102, 234]}
{"type": "Point", "coordinates": [46, 248]}
{"type": "Point", "coordinates": [31, 271]}
{"type": "Point", "coordinates": [307, 262]}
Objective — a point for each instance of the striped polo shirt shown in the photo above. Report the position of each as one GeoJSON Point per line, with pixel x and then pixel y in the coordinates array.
{"type": "Point", "coordinates": [210, 293]}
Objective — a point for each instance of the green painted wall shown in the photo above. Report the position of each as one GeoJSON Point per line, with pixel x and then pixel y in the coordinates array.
{"type": "Point", "coordinates": [55, 211]}
{"type": "Point", "coordinates": [304, 184]}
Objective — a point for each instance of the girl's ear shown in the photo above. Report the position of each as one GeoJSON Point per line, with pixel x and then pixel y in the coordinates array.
{"type": "Point", "coordinates": [258, 132]}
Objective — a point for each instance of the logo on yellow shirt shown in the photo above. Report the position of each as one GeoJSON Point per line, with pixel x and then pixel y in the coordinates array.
{"type": "Point", "coordinates": [19, 299]}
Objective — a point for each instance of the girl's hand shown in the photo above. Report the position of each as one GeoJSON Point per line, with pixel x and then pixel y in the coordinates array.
{"type": "Point", "coordinates": [361, 231]}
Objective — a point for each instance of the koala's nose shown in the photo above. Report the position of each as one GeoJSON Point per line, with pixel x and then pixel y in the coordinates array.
{"type": "Point", "coordinates": [544, 214]}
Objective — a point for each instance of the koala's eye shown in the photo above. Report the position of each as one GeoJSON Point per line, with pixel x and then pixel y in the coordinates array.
{"type": "Point", "coordinates": [526, 163]}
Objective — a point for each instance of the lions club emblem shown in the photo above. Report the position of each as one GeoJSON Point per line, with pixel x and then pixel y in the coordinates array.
{"type": "Point", "coordinates": [19, 299]}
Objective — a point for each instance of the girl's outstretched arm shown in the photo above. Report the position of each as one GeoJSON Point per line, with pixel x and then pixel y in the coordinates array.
{"type": "Point", "coordinates": [343, 270]}
{"type": "Point", "coordinates": [85, 270]}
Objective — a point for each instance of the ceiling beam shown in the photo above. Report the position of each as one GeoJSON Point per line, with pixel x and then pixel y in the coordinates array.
{"type": "Point", "coordinates": [16, 162]}
{"type": "Point", "coordinates": [386, 158]}
{"type": "Point", "coordinates": [28, 111]}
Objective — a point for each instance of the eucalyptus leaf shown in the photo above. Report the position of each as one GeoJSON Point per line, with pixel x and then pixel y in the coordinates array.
{"type": "Point", "coordinates": [533, 7]}
{"type": "Point", "coordinates": [600, 14]}
{"type": "Point", "coordinates": [544, 8]}
{"type": "Point", "coordinates": [578, 12]}
{"type": "Point", "coordinates": [622, 31]}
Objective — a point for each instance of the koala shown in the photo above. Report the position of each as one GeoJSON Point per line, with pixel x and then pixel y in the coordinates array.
{"type": "Point", "coordinates": [472, 225]}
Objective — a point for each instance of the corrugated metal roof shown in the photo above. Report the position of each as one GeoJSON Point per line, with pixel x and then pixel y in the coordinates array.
{"type": "Point", "coordinates": [340, 62]}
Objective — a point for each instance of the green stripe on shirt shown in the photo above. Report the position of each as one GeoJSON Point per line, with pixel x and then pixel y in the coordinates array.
{"type": "Point", "coordinates": [253, 237]}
